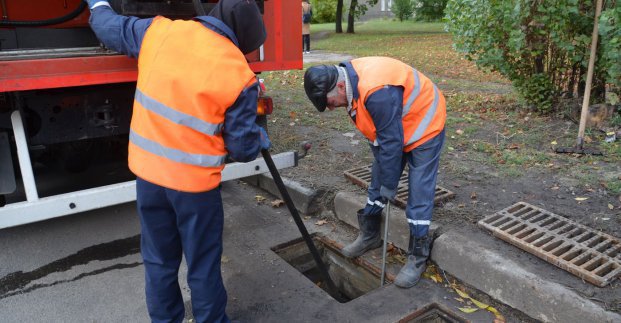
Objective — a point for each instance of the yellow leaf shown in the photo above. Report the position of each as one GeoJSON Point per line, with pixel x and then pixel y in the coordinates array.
{"type": "Point", "coordinates": [459, 299]}
{"type": "Point", "coordinates": [462, 294]}
{"type": "Point", "coordinates": [610, 206]}
{"type": "Point", "coordinates": [479, 304]}
{"type": "Point", "coordinates": [468, 309]}
{"type": "Point", "coordinates": [581, 198]}
{"type": "Point", "coordinates": [259, 198]}
{"type": "Point", "coordinates": [277, 203]}
{"type": "Point", "coordinates": [554, 143]}
{"type": "Point", "coordinates": [321, 222]}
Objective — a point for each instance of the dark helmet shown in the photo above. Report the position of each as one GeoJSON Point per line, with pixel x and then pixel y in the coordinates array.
{"type": "Point", "coordinates": [318, 81]}
{"type": "Point", "coordinates": [244, 18]}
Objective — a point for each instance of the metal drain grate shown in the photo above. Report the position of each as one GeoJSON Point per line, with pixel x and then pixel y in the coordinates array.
{"type": "Point", "coordinates": [584, 252]}
{"type": "Point", "coordinates": [362, 177]}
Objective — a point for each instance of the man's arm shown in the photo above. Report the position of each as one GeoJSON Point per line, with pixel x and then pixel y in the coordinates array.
{"type": "Point", "coordinates": [117, 32]}
{"type": "Point", "coordinates": [240, 132]}
{"type": "Point", "coordinates": [385, 107]}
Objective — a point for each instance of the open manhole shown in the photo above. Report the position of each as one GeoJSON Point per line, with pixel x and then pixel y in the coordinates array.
{"type": "Point", "coordinates": [362, 177]}
{"type": "Point", "coordinates": [433, 313]}
{"type": "Point", "coordinates": [352, 278]}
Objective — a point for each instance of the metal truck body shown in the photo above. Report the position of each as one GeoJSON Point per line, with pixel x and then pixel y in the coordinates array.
{"type": "Point", "coordinates": [65, 103]}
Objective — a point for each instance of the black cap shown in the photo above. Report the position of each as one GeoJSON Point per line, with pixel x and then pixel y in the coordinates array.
{"type": "Point", "coordinates": [244, 18]}
{"type": "Point", "coordinates": [318, 81]}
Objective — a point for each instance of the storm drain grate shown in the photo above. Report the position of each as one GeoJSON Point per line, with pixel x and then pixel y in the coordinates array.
{"type": "Point", "coordinates": [584, 252]}
{"type": "Point", "coordinates": [362, 177]}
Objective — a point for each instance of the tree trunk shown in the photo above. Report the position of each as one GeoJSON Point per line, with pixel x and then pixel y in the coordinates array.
{"type": "Point", "coordinates": [339, 16]}
{"type": "Point", "coordinates": [350, 16]}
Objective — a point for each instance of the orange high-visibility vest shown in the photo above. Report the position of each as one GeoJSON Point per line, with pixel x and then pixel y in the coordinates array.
{"type": "Point", "coordinates": [188, 76]}
{"type": "Point", "coordinates": [424, 107]}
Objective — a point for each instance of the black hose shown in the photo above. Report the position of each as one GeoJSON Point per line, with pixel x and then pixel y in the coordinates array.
{"type": "Point", "coordinates": [47, 22]}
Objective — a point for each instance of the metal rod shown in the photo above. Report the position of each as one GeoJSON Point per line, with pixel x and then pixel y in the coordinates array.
{"type": "Point", "coordinates": [385, 243]}
{"type": "Point", "coordinates": [298, 221]}
{"type": "Point", "coordinates": [589, 80]}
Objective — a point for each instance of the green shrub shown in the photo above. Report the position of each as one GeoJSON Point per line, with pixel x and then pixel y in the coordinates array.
{"type": "Point", "coordinates": [541, 46]}
{"type": "Point", "coordinates": [429, 10]}
{"type": "Point", "coordinates": [323, 10]}
{"type": "Point", "coordinates": [403, 9]}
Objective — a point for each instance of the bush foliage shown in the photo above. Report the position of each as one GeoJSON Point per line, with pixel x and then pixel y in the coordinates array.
{"type": "Point", "coordinates": [542, 46]}
{"type": "Point", "coordinates": [323, 10]}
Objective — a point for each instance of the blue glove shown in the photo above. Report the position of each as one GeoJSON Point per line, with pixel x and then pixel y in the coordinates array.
{"type": "Point", "coordinates": [388, 193]}
{"type": "Point", "coordinates": [265, 141]}
{"type": "Point", "coordinates": [91, 3]}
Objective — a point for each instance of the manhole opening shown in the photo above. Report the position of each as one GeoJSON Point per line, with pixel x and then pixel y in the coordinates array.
{"type": "Point", "coordinates": [433, 313]}
{"type": "Point", "coordinates": [352, 280]}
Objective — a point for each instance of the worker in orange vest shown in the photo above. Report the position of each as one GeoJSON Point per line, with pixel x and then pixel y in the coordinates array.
{"type": "Point", "coordinates": [195, 103]}
{"type": "Point", "coordinates": [402, 114]}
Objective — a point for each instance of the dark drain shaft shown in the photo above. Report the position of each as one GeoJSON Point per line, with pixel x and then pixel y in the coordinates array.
{"type": "Point", "coordinates": [298, 221]}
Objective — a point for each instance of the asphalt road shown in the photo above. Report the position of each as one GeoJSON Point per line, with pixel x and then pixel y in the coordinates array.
{"type": "Point", "coordinates": [83, 268]}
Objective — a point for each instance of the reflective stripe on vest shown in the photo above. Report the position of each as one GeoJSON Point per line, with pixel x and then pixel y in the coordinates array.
{"type": "Point", "coordinates": [175, 154]}
{"type": "Point", "coordinates": [413, 95]}
{"type": "Point", "coordinates": [424, 124]}
{"type": "Point", "coordinates": [177, 117]}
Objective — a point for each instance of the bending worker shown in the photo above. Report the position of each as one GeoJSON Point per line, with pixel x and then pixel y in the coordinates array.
{"type": "Point", "coordinates": [402, 113]}
{"type": "Point", "coordinates": [195, 102]}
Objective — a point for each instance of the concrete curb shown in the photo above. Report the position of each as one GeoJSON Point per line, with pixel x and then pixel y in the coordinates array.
{"type": "Point", "coordinates": [304, 199]}
{"type": "Point", "coordinates": [346, 204]}
{"type": "Point", "coordinates": [490, 271]}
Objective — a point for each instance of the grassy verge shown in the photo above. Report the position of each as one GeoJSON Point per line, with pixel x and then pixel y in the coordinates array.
{"type": "Point", "coordinates": [485, 123]}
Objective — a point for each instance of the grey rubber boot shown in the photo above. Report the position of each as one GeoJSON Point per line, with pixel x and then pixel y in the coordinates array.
{"type": "Point", "coordinates": [368, 238]}
{"type": "Point", "coordinates": [418, 253]}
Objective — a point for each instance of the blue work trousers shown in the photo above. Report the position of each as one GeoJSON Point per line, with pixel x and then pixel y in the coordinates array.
{"type": "Point", "coordinates": [423, 164]}
{"type": "Point", "coordinates": [174, 222]}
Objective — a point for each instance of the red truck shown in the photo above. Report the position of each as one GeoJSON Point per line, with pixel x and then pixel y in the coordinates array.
{"type": "Point", "coordinates": [65, 103]}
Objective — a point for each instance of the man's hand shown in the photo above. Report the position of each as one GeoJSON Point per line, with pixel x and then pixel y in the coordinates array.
{"type": "Point", "coordinates": [265, 141]}
{"type": "Point", "coordinates": [388, 193]}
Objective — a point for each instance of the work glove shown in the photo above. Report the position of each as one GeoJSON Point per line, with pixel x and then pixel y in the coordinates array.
{"type": "Point", "coordinates": [264, 140]}
{"type": "Point", "coordinates": [388, 194]}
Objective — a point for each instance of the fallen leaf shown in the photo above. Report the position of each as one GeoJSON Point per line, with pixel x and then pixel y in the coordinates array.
{"type": "Point", "coordinates": [277, 203]}
{"type": "Point", "coordinates": [292, 114]}
{"type": "Point", "coordinates": [581, 198]}
{"type": "Point", "coordinates": [459, 132]}
{"type": "Point", "coordinates": [321, 222]}
{"type": "Point", "coordinates": [224, 259]}
{"type": "Point", "coordinates": [554, 143]}
{"type": "Point", "coordinates": [473, 195]}
{"type": "Point", "coordinates": [468, 309]}
{"type": "Point", "coordinates": [259, 198]}
{"type": "Point", "coordinates": [610, 206]}
{"type": "Point", "coordinates": [459, 299]}
{"type": "Point", "coordinates": [479, 304]}
{"type": "Point", "coordinates": [514, 146]}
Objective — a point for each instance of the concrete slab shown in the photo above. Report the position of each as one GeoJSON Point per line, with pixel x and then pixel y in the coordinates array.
{"type": "Point", "coordinates": [472, 260]}
{"type": "Point", "coordinates": [346, 204]}
{"type": "Point", "coordinates": [304, 199]}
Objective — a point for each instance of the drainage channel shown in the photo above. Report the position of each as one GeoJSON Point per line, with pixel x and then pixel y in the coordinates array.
{"type": "Point", "coordinates": [362, 177]}
{"type": "Point", "coordinates": [352, 278]}
{"type": "Point", "coordinates": [591, 255]}
{"type": "Point", "coordinates": [433, 313]}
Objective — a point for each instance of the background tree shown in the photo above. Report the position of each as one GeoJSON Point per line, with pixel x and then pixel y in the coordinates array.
{"type": "Point", "coordinates": [355, 11]}
{"type": "Point", "coordinates": [402, 9]}
{"type": "Point", "coordinates": [429, 10]}
{"type": "Point", "coordinates": [339, 16]}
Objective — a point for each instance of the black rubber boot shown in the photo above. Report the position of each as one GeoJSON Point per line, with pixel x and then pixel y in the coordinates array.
{"type": "Point", "coordinates": [368, 238]}
{"type": "Point", "coordinates": [418, 253]}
